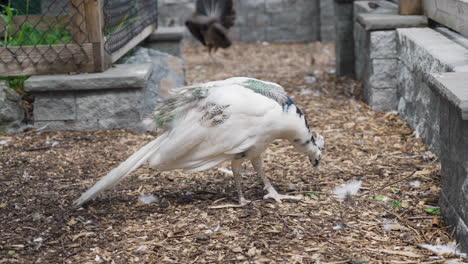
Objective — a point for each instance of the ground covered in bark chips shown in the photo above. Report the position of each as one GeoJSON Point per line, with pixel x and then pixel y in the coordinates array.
{"type": "Point", "coordinates": [175, 217]}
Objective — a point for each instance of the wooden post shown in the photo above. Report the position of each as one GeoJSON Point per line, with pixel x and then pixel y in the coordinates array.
{"type": "Point", "coordinates": [411, 7]}
{"type": "Point", "coordinates": [78, 23]}
{"type": "Point", "coordinates": [94, 25]}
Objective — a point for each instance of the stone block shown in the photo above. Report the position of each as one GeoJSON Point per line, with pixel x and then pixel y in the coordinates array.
{"type": "Point", "coordinates": [106, 107]}
{"type": "Point", "coordinates": [447, 96]}
{"type": "Point", "coordinates": [116, 123]}
{"type": "Point", "coordinates": [252, 34]}
{"type": "Point", "coordinates": [452, 35]}
{"type": "Point", "coordinates": [453, 219]}
{"type": "Point", "coordinates": [117, 104]}
{"type": "Point", "coordinates": [379, 7]}
{"type": "Point", "coordinates": [275, 6]}
{"type": "Point", "coordinates": [167, 40]}
{"type": "Point", "coordinates": [167, 33]}
{"type": "Point", "coordinates": [390, 21]}
{"type": "Point", "coordinates": [68, 125]}
{"type": "Point", "coordinates": [383, 99]}
{"type": "Point", "coordinates": [165, 67]}
{"type": "Point", "coordinates": [426, 50]}
{"type": "Point", "coordinates": [453, 87]}
{"type": "Point", "coordinates": [54, 106]}
{"type": "Point", "coordinates": [383, 73]}
{"type": "Point", "coordinates": [383, 44]}
{"type": "Point", "coordinates": [327, 21]}
{"type": "Point", "coordinates": [120, 76]}
{"type": "Point", "coordinates": [11, 111]}
{"type": "Point", "coordinates": [169, 47]}
{"type": "Point", "coordinates": [290, 33]}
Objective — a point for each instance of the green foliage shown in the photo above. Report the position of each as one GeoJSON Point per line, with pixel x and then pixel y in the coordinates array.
{"type": "Point", "coordinates": [311, 194]}
{"type": "Point", "coordinates": [28, 35]}
{"type": "Point", "coordinates": [379, 197]}
{"type": "Point", "coordinates": [11, 252]}
{"type": "Point", "coordinates": [433, 210]}
{"type": "Point", "coordinates": [16, 82]}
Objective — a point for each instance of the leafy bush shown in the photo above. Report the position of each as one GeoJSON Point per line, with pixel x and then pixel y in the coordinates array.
{"type": "Point", "coordinates": [28, 34]}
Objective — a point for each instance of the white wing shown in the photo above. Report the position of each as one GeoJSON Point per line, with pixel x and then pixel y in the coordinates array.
{"type": "Point", "coordinates": [230, 120]}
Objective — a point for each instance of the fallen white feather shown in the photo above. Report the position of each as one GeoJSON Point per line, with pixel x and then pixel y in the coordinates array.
{"type": "Point", "coordinates": [26, 175]}
{"type": "Point", "coordinates": [225, 171]}
{"type": "Point", "coordinates": [38, 240]}
{"type": "Point", "coordinates": [310, 79]}
{"type": "Point", "coordinates": [3, 142]}
{"type": "Point", "coordinates": [147, 199]}
{"type": "Point", "coordinates": [39, 130]}
{"type": "Point", "coordinates": [449, 249]}
{"type": "Point", "coordinates": [415, 184]}
{"type": "Point", "coordinates": [141, 248]}
{"type": "Point", "coordinates": [350, 188]}
{"type": "Point", "coordinates": [337, 227]}
{"type": "Point", "coordinates": [392, 226]}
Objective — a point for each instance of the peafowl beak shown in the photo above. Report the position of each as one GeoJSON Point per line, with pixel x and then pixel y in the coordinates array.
{"type": "Point", "coordinates": [314, 162]}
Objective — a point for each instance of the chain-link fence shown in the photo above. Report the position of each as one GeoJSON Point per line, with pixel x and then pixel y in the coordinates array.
{"type": "Point", "coordinates": [126, 19]}
{"type": "Point", "coordinates": [63, 36]}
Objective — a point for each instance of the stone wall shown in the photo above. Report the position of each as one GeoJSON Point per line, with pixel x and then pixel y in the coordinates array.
{"type": "Point", "coordinates": [423, 74]}
{"type": "Point", "coordinates": [376, 53]}
{"type": "Point", "coordinates": [263, 20]}
{"type": "Point", "coordinates": [449, 109]}
{"type": "Point", "coordinates": [12, 112]}
{"type": "Point", "coordinates": [120, 97]}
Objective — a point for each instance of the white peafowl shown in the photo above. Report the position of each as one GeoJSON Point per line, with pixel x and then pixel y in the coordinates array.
{"type": "Point", "coordinates": [206, 124]}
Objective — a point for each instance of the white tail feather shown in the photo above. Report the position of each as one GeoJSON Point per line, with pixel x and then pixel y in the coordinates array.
{"type": "Point", "coordinates": [118, 174]}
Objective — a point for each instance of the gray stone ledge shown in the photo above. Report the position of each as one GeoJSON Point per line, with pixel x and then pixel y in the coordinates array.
{"type": "Point", "coordinates": [454, 87]}
{"type": "Point", "coordinates": [384, 7]}
{"type": "Point", "coordinates": [119, 77]}
{"type": "Point", "coordinates": [455, 36]}
{"type": "Point", "coordinates": [428, 49]}
{"type": "Point", "coordinates": [390, 21]}
{"type": "Point", "coordinates": [167, 33]}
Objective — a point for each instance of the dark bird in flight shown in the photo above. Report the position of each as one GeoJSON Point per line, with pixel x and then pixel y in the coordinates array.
{"type": "Point", "coordinates": [210, 23]}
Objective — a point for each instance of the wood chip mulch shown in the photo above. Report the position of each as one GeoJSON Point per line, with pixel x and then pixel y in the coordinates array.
{"type": "Point", "coordinates": [42, 172]}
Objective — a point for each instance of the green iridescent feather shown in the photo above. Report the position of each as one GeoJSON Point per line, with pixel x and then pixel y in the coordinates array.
{"type": "Point", "coordinates": [269, 90]}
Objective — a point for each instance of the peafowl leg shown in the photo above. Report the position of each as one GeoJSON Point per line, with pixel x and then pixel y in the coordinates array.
{"type": "Point", "coordinates": [213, 59]}
{"type": "Point", "coordinates": [272, 193]}
{"type": "Point", "coordinates": [236, 168]}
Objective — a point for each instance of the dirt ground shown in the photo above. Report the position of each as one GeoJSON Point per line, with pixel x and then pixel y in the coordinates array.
{"type": "Point", "coordinates": [41, 173]}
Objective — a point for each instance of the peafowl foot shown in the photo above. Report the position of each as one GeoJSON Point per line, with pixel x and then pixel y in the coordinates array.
{"type": "Point", "coordinates": [273, 194]}
{"type": "Point", "coordinates": [243, 201]}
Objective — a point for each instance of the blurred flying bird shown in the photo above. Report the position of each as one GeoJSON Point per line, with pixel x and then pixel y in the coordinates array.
{"type": "Point", "coordinates": [207, 124]}
{"type": "Point", "coordinates": [210, 23]}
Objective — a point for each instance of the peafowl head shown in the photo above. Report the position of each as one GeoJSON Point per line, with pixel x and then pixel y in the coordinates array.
{"type": "Point", "coordinates": [304, 141]}
{"type": "Point", "coordinates": [312, 147]}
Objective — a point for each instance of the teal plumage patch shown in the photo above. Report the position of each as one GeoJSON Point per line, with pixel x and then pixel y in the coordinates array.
{"type": "Point", "coordinates": [269, 90]}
